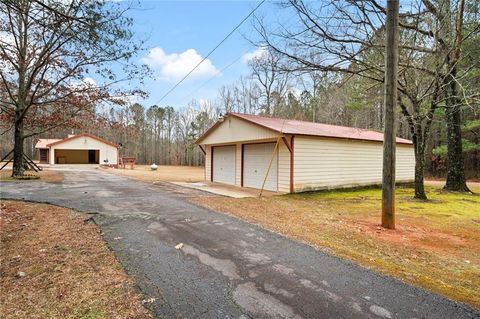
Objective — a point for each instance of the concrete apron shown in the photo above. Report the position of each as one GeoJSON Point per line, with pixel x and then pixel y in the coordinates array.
{"type": "Point", "coordinates": [225, 190]}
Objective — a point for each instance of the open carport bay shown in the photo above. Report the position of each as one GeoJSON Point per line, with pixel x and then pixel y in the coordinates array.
{"type": "Point", "coordinates": [69, 156]}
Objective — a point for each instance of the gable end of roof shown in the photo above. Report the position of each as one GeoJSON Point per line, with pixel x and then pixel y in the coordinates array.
{"type": "Point", "coordinates": [83, 135]}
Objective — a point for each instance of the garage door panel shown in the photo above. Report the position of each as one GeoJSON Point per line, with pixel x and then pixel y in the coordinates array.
{"type": "Point", "coordinates": [224, 164]}
{"type": "Point", "coordinates": [256, 158]}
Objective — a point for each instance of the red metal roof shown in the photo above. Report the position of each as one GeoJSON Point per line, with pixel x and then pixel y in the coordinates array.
{"type": "Point", "coordinates": [295, 127]}
{"type": "Point", "coordinates": [43, 142]}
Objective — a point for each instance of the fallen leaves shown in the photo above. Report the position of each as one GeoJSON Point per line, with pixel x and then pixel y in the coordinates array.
{"type": "Point", "coordinates": [53, 265]}
{"type": "Point", "coordinates": [46, 175]}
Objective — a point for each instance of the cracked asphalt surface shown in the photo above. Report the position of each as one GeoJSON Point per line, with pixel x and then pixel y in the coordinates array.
{"type": "Point", "coordinates": [227, 268]}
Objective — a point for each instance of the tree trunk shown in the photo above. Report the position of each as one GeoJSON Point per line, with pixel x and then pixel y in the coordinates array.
{"type": "Point", "coordinates": [455, 167]}
{"type": "Point", "coordinates": [419, 170]}
{"type": "Point", "coordinates": [18, 169]}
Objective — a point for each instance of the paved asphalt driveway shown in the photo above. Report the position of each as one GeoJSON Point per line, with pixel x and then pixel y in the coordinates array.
{"type": "Point", "coordinates": [227, 268]}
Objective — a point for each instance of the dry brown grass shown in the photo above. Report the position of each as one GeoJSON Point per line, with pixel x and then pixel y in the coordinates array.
{"type": "Point", "coordinates": [436, 244]}
{"type": "Point", "coordinates": [45, 176]}
{"type": "Point", "coordinates": [70, 272]}
{"type": "Point", "coordinates": [165, 173]}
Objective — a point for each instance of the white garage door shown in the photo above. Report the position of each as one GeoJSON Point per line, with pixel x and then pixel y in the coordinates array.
{"type": "Point", "coordinates": [224, 164]}
{"type": "Point", "coordinates": [256, 158]}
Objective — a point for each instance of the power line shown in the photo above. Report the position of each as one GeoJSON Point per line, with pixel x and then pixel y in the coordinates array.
{"type": "Point", "coordinates": [210, 79]}
{"type": "Point", "coordinates": [213, 50]}
{"type": "Point", "coordinates": [226, 67]}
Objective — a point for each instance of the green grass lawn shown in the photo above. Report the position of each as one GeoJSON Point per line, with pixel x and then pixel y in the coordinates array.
{"type": "Point", "coordinates": [436, 244]}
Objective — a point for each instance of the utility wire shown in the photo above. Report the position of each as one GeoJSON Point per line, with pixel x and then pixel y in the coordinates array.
{"type": "Point", "coordinates": [213, 50]}
{"type": "Point", "coordinates": [226, 67]}
{"type": "Point", "coordinates": [208, 81]}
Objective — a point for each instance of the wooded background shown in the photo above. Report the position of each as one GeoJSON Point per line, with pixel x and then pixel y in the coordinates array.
{"type": "Point", "coordinates": [285, 81]}
{"type": "Point", "coordinates": [165, 136]}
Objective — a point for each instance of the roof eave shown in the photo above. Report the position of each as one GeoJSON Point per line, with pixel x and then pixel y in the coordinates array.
{"type": "Point", "coordinates": [212, 128]}
{"type": "Point", "coordinates": [406, 142]}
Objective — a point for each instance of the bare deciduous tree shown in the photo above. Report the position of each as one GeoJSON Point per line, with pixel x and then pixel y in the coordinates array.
{"type": "Point", "coordinates": [348, 37]}
{"type": "Point", "coordinates": [50, 53]}
{"type": "Point", "coordinates": [266, 69]}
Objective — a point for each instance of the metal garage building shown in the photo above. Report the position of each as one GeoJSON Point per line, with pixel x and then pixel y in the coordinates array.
{"type": "Point", "coordinates": [310, 156]}
{"type": "Point", "coordinates": [77, 149]}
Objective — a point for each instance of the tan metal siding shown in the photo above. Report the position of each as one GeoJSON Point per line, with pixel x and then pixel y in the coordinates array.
{"type": "Point", "coordinates": [238, 165]}
{"type": "Point", "coordinates": [328, 163]}
{"type": "Point", "coordinates": [283, 168]}
{"type": "Point", "coordinates": [235, 130]}
{"type": "Point", "coordinates": [208, 162]}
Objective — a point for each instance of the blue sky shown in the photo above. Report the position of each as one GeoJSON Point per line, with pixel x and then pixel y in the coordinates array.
{"type": "Point", "coordinates": [180, 33]}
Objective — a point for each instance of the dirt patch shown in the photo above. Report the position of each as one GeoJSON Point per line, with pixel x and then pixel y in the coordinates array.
{"type": "Point", "coordinates": [435, 245]}
{"type": "Point", "coordinates": [428, 239]}
{"type": "Point", "coordinates": [55, 265]}
{"type": "Point", "coordinates": [163, 173]}
{"type": "Point", "coordinates": [441, 182]}
{"type": "Point", "coordinates": [45, 175]}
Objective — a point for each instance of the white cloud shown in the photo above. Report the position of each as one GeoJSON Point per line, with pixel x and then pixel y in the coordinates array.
{"type": "Point", "coordinates": [174, 66]}
{"type": "Point", "coordinates": [258, 53]}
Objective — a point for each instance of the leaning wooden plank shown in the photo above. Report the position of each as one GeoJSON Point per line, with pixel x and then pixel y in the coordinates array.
{"type": "Point", "coordinates": [38, 168]}
{"type": "Point", "coordinates": [6, 156]}
{"type": "Point", "coordinates": [6, 163]}
{"type": "Point", "coordinates": [30, 163]}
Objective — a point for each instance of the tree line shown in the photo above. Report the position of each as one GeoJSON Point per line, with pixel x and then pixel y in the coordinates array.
{"type": "Point", "coordinates": [325, 65]}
